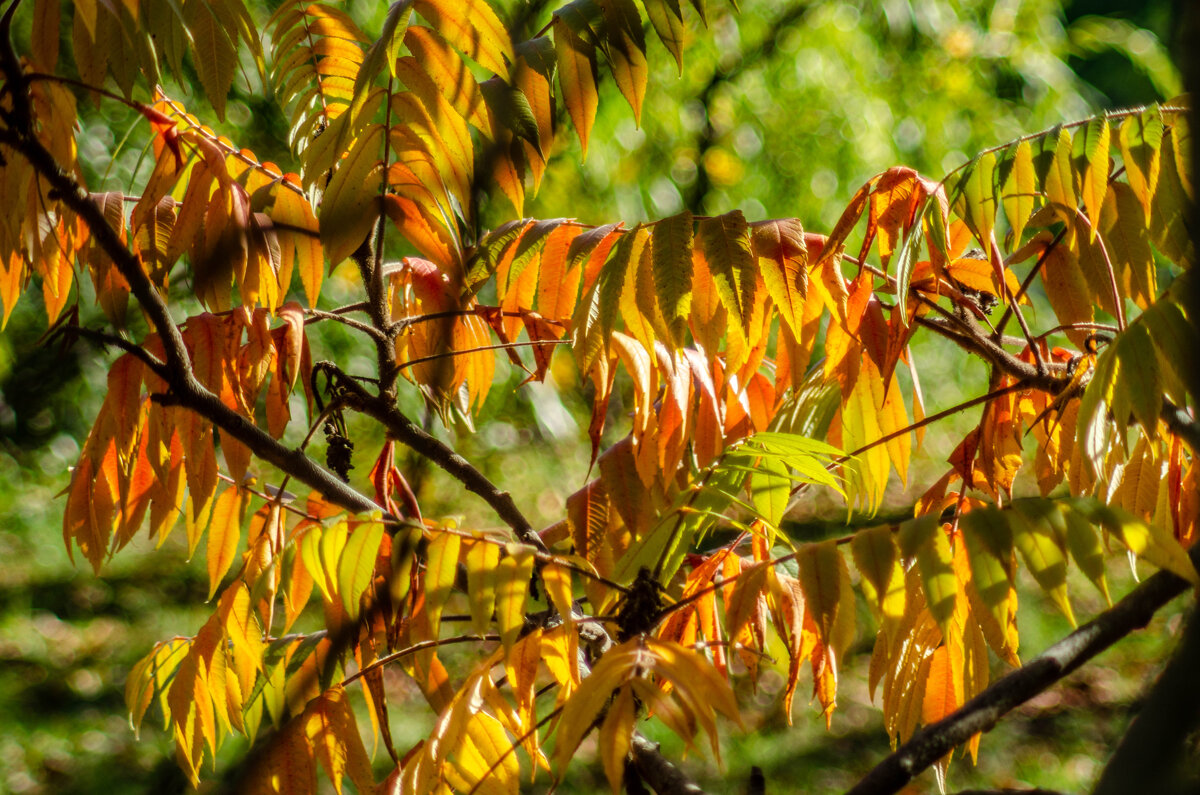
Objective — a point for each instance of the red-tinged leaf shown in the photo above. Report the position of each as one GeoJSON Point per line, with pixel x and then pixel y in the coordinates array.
{"type": "Point", "coordinates": [332, 730]}
{"type": "Point", "coordinates": [576, 57]}
{"type": "Point", "coordinates": [619, 474]}
{"type": "Point", "coordinates": [299, 238]}
{"type": "Point", "coordinates": [783, 256]}
{"type": "Point", "coordinates": [943, 690]}
{"type": "Point", "coordinates": [743, 600]}
{"type": "Point", "coordinates": [558, 286]}
{"type": "Point", "coordinates": [512, 589]}
{"type": "Point", "coordinates": [894, 203]}
{"type": "Point", "coordinates": [474, 30]}
{"type": "Point", "coordinates": [288, 764]}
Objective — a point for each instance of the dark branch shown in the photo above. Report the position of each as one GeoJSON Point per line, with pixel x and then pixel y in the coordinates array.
{"type": "Point", "coordinates": [981, 713]}
{"type": "Point", "coordinates": [407, 432]}
{"type": "Point", "coordinates": [657, 771]}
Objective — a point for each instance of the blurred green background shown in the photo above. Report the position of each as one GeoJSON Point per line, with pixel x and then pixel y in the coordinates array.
{"type": "Point", "coordinates": [783, 110]}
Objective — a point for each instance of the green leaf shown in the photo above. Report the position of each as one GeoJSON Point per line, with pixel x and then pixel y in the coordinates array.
{"type": "Point", "coordinates": [671, 256]}
{"type": "Point", "coordinates": [626, 51]}
{"type": "Point", "coordinates": [906, 259]}
{"type": "Point", "coordinates": [214, 53]}
{"type": "Point", "coordinates": [350, 206]}
{"type": "Point", "coordinates": [1175, 342]}
{"type": "Point", "coordinates": [1138, 383]}
{"type": "Point", "coordinates": [667, 18]}
{"type": "Point", "coordinates": [924, 539]}
{"type": "Point", "coordinates": [510, 108]}
{"type": "Point", "coordinates": [1172, 209]}
{"type": "Point", "coordinates": [1085, 546]}
{"type": "Point", "coordinates": [821, 569]}
{"type": "Point", "coordinates": [491, 250]}
{"type": "Point", "coordinates": [1043, 547]}
{"type": "Point", "coordinates": [770, 489]}
{"type": "Point", "coordinates": [877, 559]}
{"type": "Point", "coordinates": [989, 549]}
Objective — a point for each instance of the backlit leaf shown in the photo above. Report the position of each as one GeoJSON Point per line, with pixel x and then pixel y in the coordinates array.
{"type": "Point", "coordinates": [473, 28]}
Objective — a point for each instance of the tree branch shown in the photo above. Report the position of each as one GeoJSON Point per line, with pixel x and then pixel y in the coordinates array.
{"type": "Point", "coordinates": [1152, 756]}
{"type": "Point", "coordinates": [407, 432]}
{"type": "Point", "coordinates": [658, 771]}
{"type": "Point", "coordinates": [981, 713]}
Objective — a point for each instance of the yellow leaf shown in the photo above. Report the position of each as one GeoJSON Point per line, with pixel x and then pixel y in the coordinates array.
{"type": "Point", "coordinates": [615, 734]}
{"type": "Point", "coordinates": [512, 589]}
{"type": "Point", "coordinates": [1147, 541]}
{"type": "Point", "coordinates": [576, 70]}
{"type": "Point", "coordinates": [481, 560]}
{"type": "Point", "coordinates": [1019, 189]}
{"type": "Point", "coordinates": [440, 571]}
{"type": "Point", "coordinates": [224, 533]}
{"type": "Point", "coordinates": [473, 28]}
{"type": "Point", "coordinates": [348, 209]}
{"type": "Point", "coordinates": [357, 563]}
